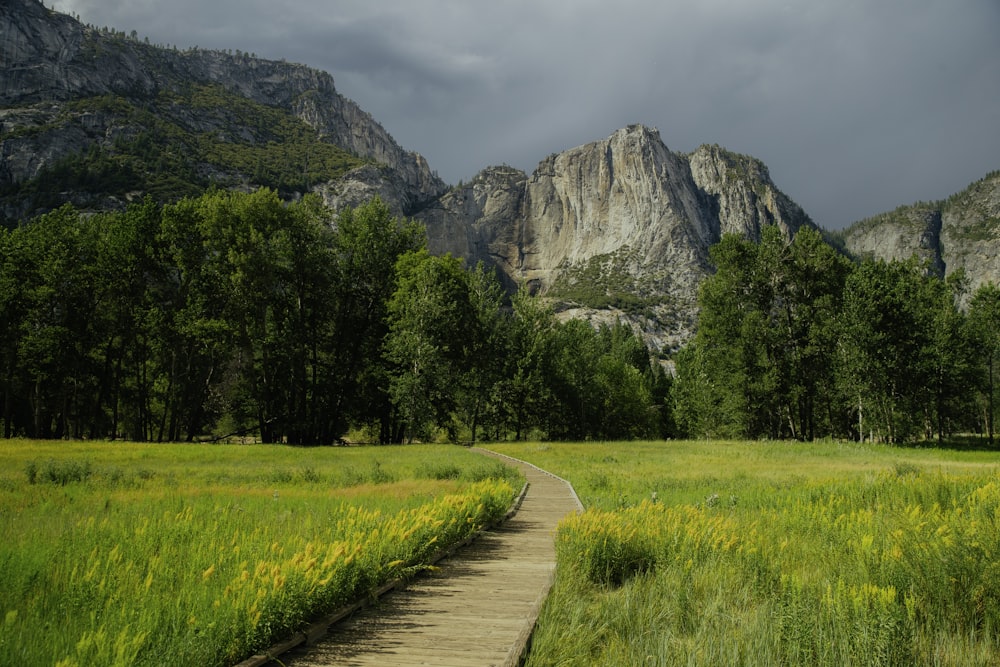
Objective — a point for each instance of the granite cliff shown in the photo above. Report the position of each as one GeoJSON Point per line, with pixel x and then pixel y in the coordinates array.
{"type": "Point", "coordinates": [619, 227]}
{"type": "Point", "coordinates": [961, 232]}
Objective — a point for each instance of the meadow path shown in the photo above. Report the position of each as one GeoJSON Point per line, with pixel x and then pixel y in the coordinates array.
{"type": "Point", "coordinates": [478, 608]}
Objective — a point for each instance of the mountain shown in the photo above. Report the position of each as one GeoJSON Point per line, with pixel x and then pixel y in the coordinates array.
{"type": "Point", "coordinates": [615, 228]}
{"type": "Point", "coordinates": [97, 117]}
{"type": "Point", "coordinates": [619, 227]}
{"type": "Point", "coordinates": [961, 232]}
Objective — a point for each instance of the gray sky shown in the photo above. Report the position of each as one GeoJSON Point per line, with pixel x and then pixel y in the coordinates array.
{"type": "Point", "coordinates": [856, 106]}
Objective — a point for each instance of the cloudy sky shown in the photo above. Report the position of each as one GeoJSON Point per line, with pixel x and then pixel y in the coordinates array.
{"type": "Point", "coordinates": [856, 106]}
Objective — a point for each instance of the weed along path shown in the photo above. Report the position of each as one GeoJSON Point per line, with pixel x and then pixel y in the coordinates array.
{"type": "Point", "coordinates": [478, 608]}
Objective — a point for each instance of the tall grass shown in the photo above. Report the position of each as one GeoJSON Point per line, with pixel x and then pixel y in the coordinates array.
{"type": "Point", "coordinates": [202, 555]}
{"type": "Point", "coordinates": [773, 554]}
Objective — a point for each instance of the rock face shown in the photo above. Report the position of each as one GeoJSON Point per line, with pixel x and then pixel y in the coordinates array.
{"type": "Point", "coordinates": [962, 232]}
{"type": "Point", "coordinates": [50, 59]}
{"type": "Point", "coordinates": [621, 224]}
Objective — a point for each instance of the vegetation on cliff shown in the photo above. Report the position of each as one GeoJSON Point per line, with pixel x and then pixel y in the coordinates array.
{"type": "Point", "coordinates": [175, 145]}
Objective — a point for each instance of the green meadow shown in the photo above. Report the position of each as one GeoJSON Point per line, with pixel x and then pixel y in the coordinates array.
{"type": "Point", "coordinates": [132, 554]}
{"type": "Point", "coordinates": [773, 553]}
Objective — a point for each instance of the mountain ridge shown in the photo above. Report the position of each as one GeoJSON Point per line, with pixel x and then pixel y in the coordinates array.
{"type": "Point", "coordinates": [52, 58]}
{"type": "Point", "coordinates": [619, 227]}
{"type": "Point", "coordinates": [960, 233]}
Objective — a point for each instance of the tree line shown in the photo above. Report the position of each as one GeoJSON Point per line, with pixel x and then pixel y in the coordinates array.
{"type": "Point", "coordinates": [234, 313]}
{"type": "Point", "coordinates": [796, 341]}
{"type": "Point", "coordinates": [240, 314]}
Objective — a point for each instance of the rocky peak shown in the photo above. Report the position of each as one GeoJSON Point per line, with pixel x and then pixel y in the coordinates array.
{"type": "Point", "coordinates": [741, 190]}
{"type": "Point", "coordinates": [628, 189]}
{"type": "Point", "coordinates": [50, 56]}
{"type": "Point", "coordinates": [619, 226]}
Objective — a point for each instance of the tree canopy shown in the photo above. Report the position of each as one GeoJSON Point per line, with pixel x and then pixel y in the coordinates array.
{"type": "Point", "coordinates": [234, 313]}
{"type": "Point", "coordinates": [241, 314]}
{"type": "Point", "coordinates": [794, 341]}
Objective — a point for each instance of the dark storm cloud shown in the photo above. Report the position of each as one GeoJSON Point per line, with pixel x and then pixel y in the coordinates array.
{"type": "Point", "coordinates": [856, 106]}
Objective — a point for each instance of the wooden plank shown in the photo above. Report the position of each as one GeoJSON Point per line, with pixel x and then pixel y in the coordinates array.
{"type": "Point", "coordinates": [478, 608]}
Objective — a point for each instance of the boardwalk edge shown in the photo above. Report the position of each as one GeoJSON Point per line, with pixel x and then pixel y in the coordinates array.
{"type": "Point", "coordinates": [518, 653]}
{"type": "Point", "coordinates": [319, 628]}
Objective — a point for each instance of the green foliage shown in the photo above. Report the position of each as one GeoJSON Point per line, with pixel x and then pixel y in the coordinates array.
{"type": "Point", "coordinates": [760, 364]}
{"type": "Point", "coordinates": [458, 354]}
{"type": "Point", "coordinates": [235, 315]}
{"type": "Point", "coordinates": [428, 339]}
{"type": "Point", "coordinates": [795, 342]}
{"type": "Point", "coordinates": [178, 144]}
{"type": "Point", "coordinates": [714, 553]}
{"type": "Point", "coordinates": [601, 381]}
{"type": "Point", "coordinates": [58, 472]}
{"type": "Point", "coordinates": [904, 352]}
{"type": "Point", "coordinates": [223, 315]}
{"type": "Point", "coordinates": [486, 349]}
{"type": "Point", "coordinates": [274, 148]}
{"type": "Point", "coordinates": [605, 281]}
{"type": "Point", "coordinates": [214, 553]}
{"type": "Point", "coordinates": [368, 242]}
{"type": "Point", "coordinates": [984, 339]}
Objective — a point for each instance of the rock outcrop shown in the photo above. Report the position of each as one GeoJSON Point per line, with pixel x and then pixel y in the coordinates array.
{"type": "Point", "coordinates": [962, 232]}
{"type": "Point", "coordinates": [50, 60]}
{"type": "Point", "coordinates": [622, 224]}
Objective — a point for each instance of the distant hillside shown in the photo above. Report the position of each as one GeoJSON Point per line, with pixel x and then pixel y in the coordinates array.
{"type": "Point", "coordinates": [98, 117]}
{"type": "Point", "coordinates": [961, 232]}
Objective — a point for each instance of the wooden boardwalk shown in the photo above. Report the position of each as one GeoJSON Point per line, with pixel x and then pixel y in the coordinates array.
{"type": "Point", "coordinates": [478, 608]}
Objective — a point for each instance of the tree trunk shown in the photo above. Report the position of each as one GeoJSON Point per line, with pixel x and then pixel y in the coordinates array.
{"type": "Point", "coordinates": [989, 415]}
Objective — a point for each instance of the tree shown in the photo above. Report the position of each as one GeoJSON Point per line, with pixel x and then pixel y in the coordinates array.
{"type": "Point", "coordinates": [949, 357]}
{"type": "Point", "coordinates": [597, 382]}
{"type": "Point", "coordinates": [310, 299]}
{"type": "Point", "coordinates": [761, 357]}
{"type": "Point", "coordinates": [368, 242]}
{"type": "Point", "coordinates": [428, 342]}
{"type": "Point", "coordinates": [885, 339]}
{"type": "Point", "coordinates": [661, 390]}
{"type": "Point", "coordinates": [623, 374]}
{"type": "Point", "coordinates": [129, 277]}
{"type": "Point", "coordinates": [573, 381]}
{"type": "Point", "coordinates": [13, 308]}
{"type": "Point", "coordinates": [810, 301]}
{"type": "Point", "coordinates": [226, 313]}
{"type": "Point", "coordinates": [485, 349]}
{"type": "Point", "coordinates": [197, 335]}
{"type": "Point", "coordinates": [524, 393]}
{"type": "Point", "coordinates": [984, 331]}
{"type": "Point", "coordinates": [732, 356]}
{"type": "Point", "coordinates": [704, 407]}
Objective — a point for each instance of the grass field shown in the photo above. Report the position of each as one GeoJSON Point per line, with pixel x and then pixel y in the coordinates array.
{"type": "Point", "coordinates": [696, 553]}
{"type": "Point", "coordinates": [127, 554]}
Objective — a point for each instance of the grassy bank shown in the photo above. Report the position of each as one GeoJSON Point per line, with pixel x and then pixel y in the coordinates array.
{"type": "Point", "coordinates": [200, 555]}
{"type": "Point", "coordinates": [773, 553]}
